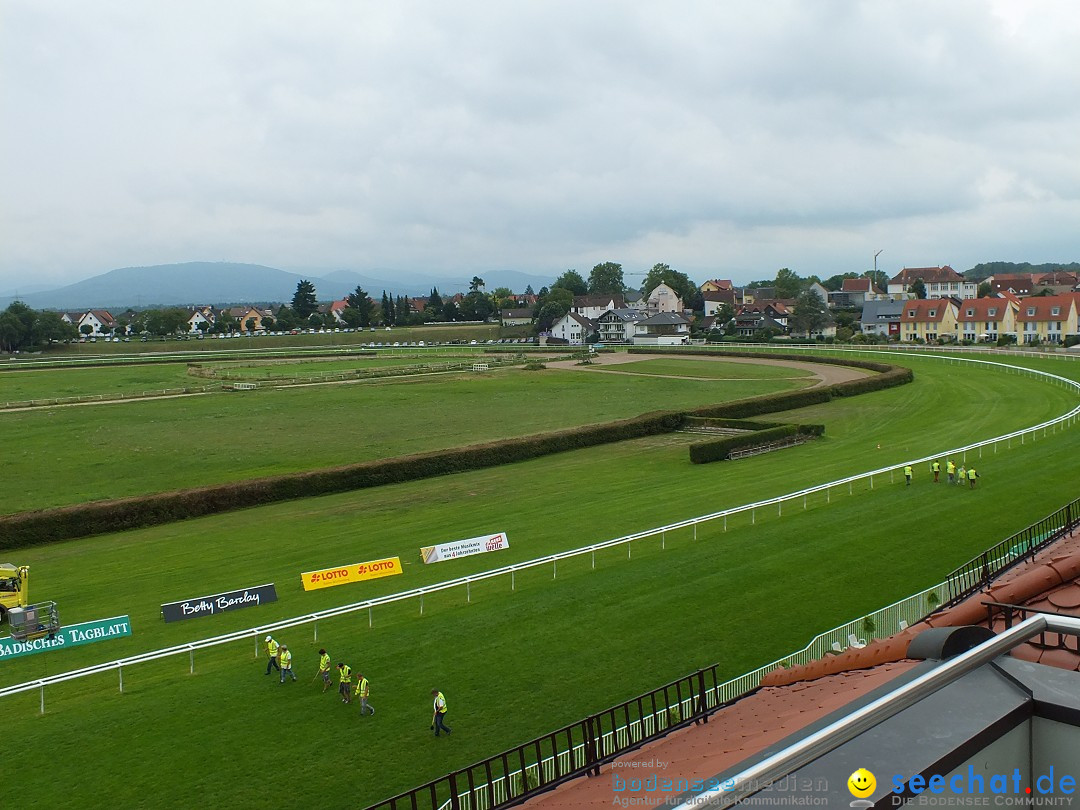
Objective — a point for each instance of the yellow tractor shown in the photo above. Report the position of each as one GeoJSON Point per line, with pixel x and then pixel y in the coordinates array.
{"type": "Point", "coordinates": [14, 587]}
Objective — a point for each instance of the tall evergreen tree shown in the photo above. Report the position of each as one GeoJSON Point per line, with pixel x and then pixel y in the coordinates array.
{"type": "Point", "coordinates": [304, 302]}
{"type": "Point", "coordinates": [387, 309]}
{"type": "Point", "coordinates": [434, 306]}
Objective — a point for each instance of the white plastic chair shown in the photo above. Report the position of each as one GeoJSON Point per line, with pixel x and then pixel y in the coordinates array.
{"type": "Point", "coordinates": [903, 625]}
{"type": "Point", "coordinates": [855, 641]}
{"type": "Point", "coordinates": [836, 648]}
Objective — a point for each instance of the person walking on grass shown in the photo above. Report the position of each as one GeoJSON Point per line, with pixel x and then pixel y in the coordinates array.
{"type": "Point", "coordinates": [907, 474]}
{"type": "Point", "coordinates": [961, 475]}
{"type": "Point", "coordinates": [439, 706]}
{"type": "Point", "coordinates": [972, 475]}
{"type": "Point", "coordinates": [286, 663]}
{"type": "Point", "coordinates": [950, 470]}
{"type": "Point", "coordinates": [936, 468]}
{"type": "Point", "coordinates": [324, 669]}
{"type": "Point", "coordinates": [272, 654]}
{"type": "Point", "coordinates": [344, 681]}
{"type": "Point", "coordinates": [363, 691]}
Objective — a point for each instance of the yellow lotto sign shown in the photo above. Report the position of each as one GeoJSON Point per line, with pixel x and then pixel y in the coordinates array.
{"type": "Point", "coordinates": [356, 572]}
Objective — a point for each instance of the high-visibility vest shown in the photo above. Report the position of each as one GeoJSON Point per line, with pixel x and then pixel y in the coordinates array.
{"type": "Point", "coordinates": [440, 704]}
{"type": "Point", "coordinates": [936, 467]}
{"type": "Point", "coordinates": [907, 471]}
{"type": "Point", "coordinates": [971, 474]}
{"type": "Point", "coordinates": [271, 648]}
{"type": "Point", "coordinates": [286, 659]}
{"type": "Point", "coordinates": [362, 688]}
{"type": "Point", "coordinates": [345, 674]}
{"type": "Point", "coordinates": [951, 468]}
{"type": "Point", "coordinates": [324, 663]}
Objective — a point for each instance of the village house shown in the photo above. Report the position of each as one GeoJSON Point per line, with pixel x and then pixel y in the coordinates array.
{"type": "Point", "coordinates": [1047, 319]}
{"type": "Point", "coordinates": [515, 317]}
{"type": "Point", "coordinates": [619, 325]}
{"type": "Point", "coordinates": [593, 306]}
{"type": "Point", "coordinates": [940, 282]}
{"type": "Point", "coordinates": [928, 319]}
{"type": "Point", "coordinates": [663, 298]}
{"type": "Point", "coordinates": [573, 329]}
{"type": "Point", "coordinates": [986, 319]}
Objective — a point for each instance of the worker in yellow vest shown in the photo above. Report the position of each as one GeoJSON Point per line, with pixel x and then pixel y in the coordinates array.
{"type": "Point", "coordinates": [324, 669]}
{"type": "Point", "coordinates": [950, 469]}
{"type": "Point", "coordinates": [363, 691]}
{"type": "Point", "coordinates": [936, 468]}
{"type": "Point", "coordinates": [285, 658]}
{"type": "Point", "coordinates": [907, 474]}
{"type": "Point", "coordinates": [272, 654]}
{"type": "Point", "coordinates": [972, 475]}
{"type": "Point", "coordinates": [439, 706]}
{"type": "Point", "coordinates": [344, 681]}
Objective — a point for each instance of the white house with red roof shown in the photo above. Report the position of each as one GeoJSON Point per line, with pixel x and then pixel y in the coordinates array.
{"type": "Point", "coordinates": [100, 321]}
{"type": "Point", "coordinates": [940, 282]}
{"type": "Point", "coordinates": [573, 328]}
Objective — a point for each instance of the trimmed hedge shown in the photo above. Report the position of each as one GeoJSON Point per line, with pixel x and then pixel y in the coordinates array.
{"type": "Point", "coordinates": [719, 449]}
{"type": "Point", "coordinates": [101, 517]}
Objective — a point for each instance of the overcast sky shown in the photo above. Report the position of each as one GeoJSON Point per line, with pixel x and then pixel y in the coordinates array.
{"type": "Point", "coordinates": [726, 138]}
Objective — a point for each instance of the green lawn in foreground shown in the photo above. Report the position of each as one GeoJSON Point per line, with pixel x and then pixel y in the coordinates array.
{"type": "Point", "coordinates": [513, 664]}
{"type": "Point", "coordinates": [74, 454]}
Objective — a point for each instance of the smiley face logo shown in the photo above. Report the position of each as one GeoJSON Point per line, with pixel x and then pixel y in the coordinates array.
{"type": "Point", "coordinates": [861, 783]}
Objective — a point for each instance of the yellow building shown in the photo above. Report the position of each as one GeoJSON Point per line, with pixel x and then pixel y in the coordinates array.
{"type": "Point", "coordinates": [1046, 319]}
{"type": "Point", "coordinates": [928, 319]}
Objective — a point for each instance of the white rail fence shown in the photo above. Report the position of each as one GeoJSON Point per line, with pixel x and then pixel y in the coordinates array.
{"type": "Point", "coordinates": [791, 499]}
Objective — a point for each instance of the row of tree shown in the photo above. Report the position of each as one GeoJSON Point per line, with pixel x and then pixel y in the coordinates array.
{"type": "Point", "coordinates": [25, 329]}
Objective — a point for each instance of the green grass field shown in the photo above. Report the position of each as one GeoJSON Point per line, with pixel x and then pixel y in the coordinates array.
{"type": "Point", "coordinates": [513, 664]}
{"type": "Point", "coordinates": [75, 454]}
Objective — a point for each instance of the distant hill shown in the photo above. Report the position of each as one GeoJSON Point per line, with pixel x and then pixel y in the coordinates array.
{"type": "Point", "coordinates": [981, 271]}
{"type": "Point", "coordinates": [232, 283]}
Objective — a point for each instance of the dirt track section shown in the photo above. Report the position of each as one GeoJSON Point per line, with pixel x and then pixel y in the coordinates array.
{"type": "Point", "coordinates": [822, 373]}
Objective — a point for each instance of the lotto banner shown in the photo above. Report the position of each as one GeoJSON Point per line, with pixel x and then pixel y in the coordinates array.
{"type": "Point", "coordinates": [357, 572]}
{"type": "Point", "coordinates": [464, 548]}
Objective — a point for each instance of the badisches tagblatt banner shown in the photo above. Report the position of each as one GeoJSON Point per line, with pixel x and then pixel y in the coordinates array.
{"type": "Point", "coordinates": [464, 548]}
{"type": "Point", "coordinates": [218, 603]}
{"type": "Point", "coordinates": [74, 635]}
{"type": "Point", "coordinates": [357, 572]}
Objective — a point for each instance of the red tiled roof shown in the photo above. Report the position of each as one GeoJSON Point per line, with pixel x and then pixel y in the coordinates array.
{"type": "Point", "coordinates": [1041, 308]}
{"type": "Point", "coordinates": [929, 275]}
{"type": "Point", "coordinates": [980, 308]}
{"type": "Point", "coordinates": [855, 285]}
{"type": "Point", "coordinates": [922, 309]}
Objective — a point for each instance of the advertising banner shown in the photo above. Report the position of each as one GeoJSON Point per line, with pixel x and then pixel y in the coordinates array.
{"type": "Point", "coordinates": [357, 572]}
{"type": "Point", "coordinates": [73, 635]}
{"type": "Point", "coordinates": [218, 603]}
{"type": "Point", "coordinates": [464, 548]}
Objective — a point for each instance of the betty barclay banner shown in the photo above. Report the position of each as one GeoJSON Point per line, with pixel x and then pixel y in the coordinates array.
{"type": "Point", "coordinates": [73, 635]}
{"type": "Point", "coordinates": [356, 572]}
{"type": "Point", "coordinates": [218, 603]}
{"type": "Point", "coordinates": [464, 548]}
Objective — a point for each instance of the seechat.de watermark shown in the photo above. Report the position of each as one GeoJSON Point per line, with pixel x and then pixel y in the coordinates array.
{"type": "Point", "coordinates": [969, 789]}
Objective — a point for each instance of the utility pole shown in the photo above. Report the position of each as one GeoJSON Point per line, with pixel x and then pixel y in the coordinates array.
{"type": "Point", "coordinates": [875, 261]}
